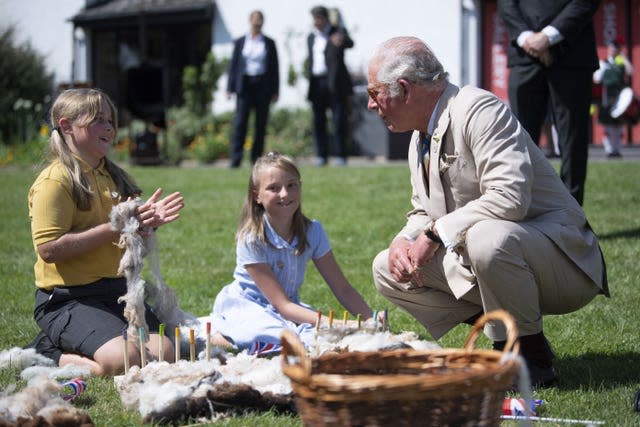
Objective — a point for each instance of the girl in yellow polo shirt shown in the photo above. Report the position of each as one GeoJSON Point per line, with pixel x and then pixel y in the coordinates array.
{"type": "Point", "coordinates": [76, 270]}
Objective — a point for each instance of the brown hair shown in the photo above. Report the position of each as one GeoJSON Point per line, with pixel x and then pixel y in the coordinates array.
{"type": "Point", "coordinates": [82, 106]}
{"type": "Point", "coordinates": [252, 218]}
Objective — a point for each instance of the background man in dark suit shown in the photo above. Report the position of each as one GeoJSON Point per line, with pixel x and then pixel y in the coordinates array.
{"type": "Point", "coordinates": [254, 78]}
{"type": "Point", "coordinates": [552, 55]}
{"type": "Point", "coordinates": [329, 83]}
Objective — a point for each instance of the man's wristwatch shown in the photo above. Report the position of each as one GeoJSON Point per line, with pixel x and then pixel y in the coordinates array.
{"type": "Point", "coordinates": [428, 231]}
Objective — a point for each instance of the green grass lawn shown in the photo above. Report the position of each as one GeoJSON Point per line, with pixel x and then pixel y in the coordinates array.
{"type": "Point", "coordinates": [361, 207]}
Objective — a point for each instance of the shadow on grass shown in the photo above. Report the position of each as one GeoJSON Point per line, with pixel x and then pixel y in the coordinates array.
{"type": "Point", "coordinates": [595, 370]}
{"type": "Point", "coordinates": [622, 234]}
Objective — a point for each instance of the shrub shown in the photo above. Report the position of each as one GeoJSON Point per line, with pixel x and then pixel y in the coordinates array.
{"type": "Point", "coordinates": [212, 144]}
{"type": "Point", "coordinates": [25, 86]}
{"type": "Point", "coordinates": [289, 132]}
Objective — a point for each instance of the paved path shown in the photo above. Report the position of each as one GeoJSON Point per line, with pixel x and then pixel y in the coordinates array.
{"type": "Point", "coordinates": [628, 153]}
{"type": "Point", "coordinates": [596, 154]}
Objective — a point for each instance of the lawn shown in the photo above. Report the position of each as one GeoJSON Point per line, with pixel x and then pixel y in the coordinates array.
{"type": "Point", "coordinates": [361, 207]}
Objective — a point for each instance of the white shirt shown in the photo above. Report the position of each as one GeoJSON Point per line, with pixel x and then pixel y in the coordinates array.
{"type": "Point", "coordinates": [319, 45]}
{"type": "Point", "coordinates": [254, 53]}
{"type": "Point", "coordinates": [552, 34]}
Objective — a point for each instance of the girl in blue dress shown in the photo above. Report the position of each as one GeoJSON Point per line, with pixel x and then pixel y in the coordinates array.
{"type": "Point", "coordinates": [274, 242]}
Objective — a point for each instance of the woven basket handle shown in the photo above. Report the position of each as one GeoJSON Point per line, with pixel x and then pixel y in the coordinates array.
{"type": "Point", "coordinates": [512, 344]}
{"type": "Point", "coordinates": [293, 349]}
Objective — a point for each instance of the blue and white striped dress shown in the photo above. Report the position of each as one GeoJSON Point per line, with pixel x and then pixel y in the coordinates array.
{"type": "Point", "coordinates": [243, 314]}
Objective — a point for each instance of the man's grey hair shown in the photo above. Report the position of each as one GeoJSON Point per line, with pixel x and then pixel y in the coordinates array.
{"type": "Point", "coordinates": [411, 59]}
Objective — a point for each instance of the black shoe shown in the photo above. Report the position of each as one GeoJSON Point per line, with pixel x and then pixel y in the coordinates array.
{"type": "Point", "coordinates": [541, 377]}
{"type": "Point", "coordinates": [473, 319]}
{"type": "Point", "coordinates": [44, 346]}
{"type": "Point", "coordinates": [538, 355]}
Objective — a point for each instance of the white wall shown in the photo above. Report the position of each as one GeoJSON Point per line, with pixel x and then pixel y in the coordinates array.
{"type": "Point", "coordinates": [45, 25]}
{"type": "Point", "coordinates": [369, 23]}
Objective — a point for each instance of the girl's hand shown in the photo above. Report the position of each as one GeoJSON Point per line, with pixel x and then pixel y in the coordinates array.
{"type": "Point", "coordinates": [155, 212]}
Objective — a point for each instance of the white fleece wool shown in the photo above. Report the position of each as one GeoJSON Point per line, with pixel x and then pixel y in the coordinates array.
{"type": "Point", "coordinates": [41, 397]}
{"type": "Point", "coordinates": [161, 297]}
{"type": "Point", "coordinates": [159, 385]}
{"type": "Point", "coordinates": [20, 358]}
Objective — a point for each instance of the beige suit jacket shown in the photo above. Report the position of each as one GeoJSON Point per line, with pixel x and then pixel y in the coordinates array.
{"type": "Point", "coordinates": [484, 166]}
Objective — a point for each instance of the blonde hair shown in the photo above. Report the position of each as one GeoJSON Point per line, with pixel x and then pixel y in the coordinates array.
{"type": "Point", "coordinates": [252, 218]}
{"type": "Point", "coordinates": [82, 107]}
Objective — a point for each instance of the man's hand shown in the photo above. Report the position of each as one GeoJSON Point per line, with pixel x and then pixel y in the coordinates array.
{"type": "Point", "coordinates": [400, 264]}
{"type": "Point", "coordinates": [537, 45]}
{"type": "Point", "coordinates": [337, 38]}
{"type": "Point", "coordinates": [422, 250]}
{"type": "Point", "coordinates": [546, 58]}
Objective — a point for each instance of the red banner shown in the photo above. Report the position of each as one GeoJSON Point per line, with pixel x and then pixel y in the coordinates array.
{"type": "Point", "coordinates": [614, 18]}
{"type": "Point", "coordinates": [610, 23]}
{"type": "Point", "coordinates": [634, 36]}
{"type": "Point", "coordinates": [495, 74]}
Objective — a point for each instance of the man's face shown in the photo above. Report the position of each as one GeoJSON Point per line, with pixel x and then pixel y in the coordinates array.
{"type": "Point", "coordinates": [256, 22]}
{"type": "Point", "coordinates": [389, 108]}
{"type": "Point", "coordinates": [319, 22]}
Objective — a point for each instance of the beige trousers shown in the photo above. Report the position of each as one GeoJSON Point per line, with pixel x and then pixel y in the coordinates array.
{"type": "Point", "coordinates": [516, 268]}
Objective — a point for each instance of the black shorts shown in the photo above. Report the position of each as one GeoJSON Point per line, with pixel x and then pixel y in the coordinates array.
{"type": "Point", "coordinates": [81, 319]}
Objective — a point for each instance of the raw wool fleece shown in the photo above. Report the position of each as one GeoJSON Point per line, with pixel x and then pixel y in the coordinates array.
{"type": "Point", "coordinates": [231, 383]}
{"type": "Point", "coordinates": [167, 393]}
{"type": "Point", "coordinates": [160, 297]}
{"type": "Point", "coordinates": [20, 359]}
{"type": "Point", "coordinates": [39, 404]}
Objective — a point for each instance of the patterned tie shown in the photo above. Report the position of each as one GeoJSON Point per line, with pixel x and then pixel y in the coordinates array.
{"type": "Point", "coordinates": [426, 145]}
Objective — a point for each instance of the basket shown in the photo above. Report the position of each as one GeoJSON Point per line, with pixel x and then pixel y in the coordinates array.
{"type": "Point", "coordinates": [445, 387]}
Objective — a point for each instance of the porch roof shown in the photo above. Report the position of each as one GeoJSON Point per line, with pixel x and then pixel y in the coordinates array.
{"type": "Point", "coordinates": [109, 13]}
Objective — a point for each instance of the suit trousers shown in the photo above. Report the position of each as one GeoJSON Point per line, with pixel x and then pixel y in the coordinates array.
{"type": "Point", "coordinates": [516, 268]}
{"type": "Point", "coordinates": [320, 103]}
{"type": "Point", "coordinates": [254, 96]}
{"type": "Point", "coordinates": [569, 89]}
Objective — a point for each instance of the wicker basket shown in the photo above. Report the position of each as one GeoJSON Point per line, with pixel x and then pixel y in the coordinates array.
{"type": "Point", "coordinates": [448, 387]}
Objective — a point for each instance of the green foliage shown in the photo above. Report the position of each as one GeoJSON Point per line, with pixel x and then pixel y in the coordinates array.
{"type": "Point", "coordinates": [182, 126]}
{"type": "Point", "coordinates": [289, 132]}
{"type": "Point", "coordinates": [212, 144]}
{"type": "Point", "coordinates": [25, 85]}
{"type": "Point", "coordinates": [598, 350]}
{"type": "Point", "coordinates": [199, 84]}
{"type": "Point", "coordinates": [292, 76]}
{"type": "Point", "coordinates": [208, 137]}
{"type": "Point", "coordinates": [193, 125]}
{"type": "Point", "coordinates": [26, 153]}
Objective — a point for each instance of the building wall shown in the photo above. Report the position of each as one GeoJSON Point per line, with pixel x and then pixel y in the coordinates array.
{"type": "Point", "coordinates": [369, 23]}
{"type": "Point", "coordinates": [46, 26]}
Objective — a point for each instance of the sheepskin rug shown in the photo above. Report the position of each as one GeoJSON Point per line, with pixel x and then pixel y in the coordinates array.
{"type": "Point", "coordinates": [39, 403]}
{"type": "Point", "coordinates": [231, 383]}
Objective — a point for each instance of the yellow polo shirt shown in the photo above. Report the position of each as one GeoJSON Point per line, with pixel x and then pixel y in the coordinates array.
{"type": "Point", "coordinates": [53, 212]}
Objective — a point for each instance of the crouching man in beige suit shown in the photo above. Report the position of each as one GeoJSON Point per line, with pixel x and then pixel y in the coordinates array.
{"type": "Point", "coordinates": [492, 224]}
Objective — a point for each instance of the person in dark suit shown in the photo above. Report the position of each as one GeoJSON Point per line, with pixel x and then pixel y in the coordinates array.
{"type": "Point", "coordinates": [254, 78]}
{"type": "Point", "coordinates": [330, 84]}
{"type": "Point", "coordinates": [552, 55]}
